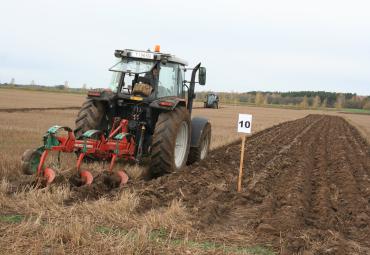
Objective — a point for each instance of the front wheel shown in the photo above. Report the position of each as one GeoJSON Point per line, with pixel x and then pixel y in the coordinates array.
{"type": "Point", "coordinates": [171, 141]}
{"type": "Point", "coordinates": [201, 151]}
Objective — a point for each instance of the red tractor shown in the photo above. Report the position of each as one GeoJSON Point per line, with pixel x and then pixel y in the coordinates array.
{"type": "Point", "coordinates": [146, 113]}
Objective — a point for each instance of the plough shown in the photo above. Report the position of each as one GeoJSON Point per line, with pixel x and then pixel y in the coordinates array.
{"type": "Point", "coordinates": [119, 144]}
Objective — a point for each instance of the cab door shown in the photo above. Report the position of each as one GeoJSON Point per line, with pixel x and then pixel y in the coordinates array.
{"type": "Point", "coordinates": [170, 82]}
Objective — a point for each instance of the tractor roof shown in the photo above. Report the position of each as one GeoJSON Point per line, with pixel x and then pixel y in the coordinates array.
{"type": "Point", "coordinates": [150, 55]}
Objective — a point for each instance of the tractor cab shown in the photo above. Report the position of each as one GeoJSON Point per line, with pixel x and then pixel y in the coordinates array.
{"type": "Point", "coordinates": [148, 74]}
{"type": "Point", "coordinates": [151, 77]}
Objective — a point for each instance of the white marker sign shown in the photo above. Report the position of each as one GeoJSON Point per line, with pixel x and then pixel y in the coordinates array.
{"type": "Point", "coordinates": [245, 123]}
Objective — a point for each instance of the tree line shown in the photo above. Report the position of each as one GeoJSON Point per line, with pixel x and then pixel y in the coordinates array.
{"type": "Point", "coordinates": [302, 99]}
{"type": "Point", "coordinates": [33, 86]}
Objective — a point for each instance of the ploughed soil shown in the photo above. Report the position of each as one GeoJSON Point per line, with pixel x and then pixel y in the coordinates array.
{"type": "Point", "coordinates": [306, 190]}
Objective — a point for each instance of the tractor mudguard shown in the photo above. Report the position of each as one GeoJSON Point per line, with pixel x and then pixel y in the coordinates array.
{"type": "Point", "coordinates": [197, 127]}
{"type": "Point", "coordinates": [168, 104]}
{"type": "Point", "coordinates": [100, 94]}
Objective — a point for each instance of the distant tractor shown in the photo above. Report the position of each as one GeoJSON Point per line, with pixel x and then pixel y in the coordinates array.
{"type": "Point", "coordinates": [211, 101]}
{"type": "Point", "coordinates": [145, 114]}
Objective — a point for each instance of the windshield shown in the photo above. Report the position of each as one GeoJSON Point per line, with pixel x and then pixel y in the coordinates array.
{"type": "Point", "coordinates": [127, 65]}
{"type": "Point", "coordinates": [166, 79]}
{"type": "Point", "coordinates": [211, 98]}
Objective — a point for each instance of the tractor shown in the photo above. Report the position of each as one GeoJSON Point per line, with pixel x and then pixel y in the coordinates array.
{"type": "Point", "coordinates": [211, 101]}
{"type": "Point", "coordinates": [144, 114]}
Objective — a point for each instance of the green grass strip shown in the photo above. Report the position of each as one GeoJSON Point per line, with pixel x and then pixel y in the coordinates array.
{"type": "Point", "coordinates": [15, 218]}
{"type": "Point", "coordinates": [161, 236]}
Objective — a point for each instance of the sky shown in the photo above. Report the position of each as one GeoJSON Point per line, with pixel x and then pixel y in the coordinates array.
{"type": "Point", "coordinates": [246, 45]}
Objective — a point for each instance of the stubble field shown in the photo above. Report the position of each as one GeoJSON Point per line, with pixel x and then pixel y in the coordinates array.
{"type": "Point", "coordinates": [306, 189]}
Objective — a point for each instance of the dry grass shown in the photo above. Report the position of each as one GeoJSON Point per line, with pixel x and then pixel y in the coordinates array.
{"type": "Point", "coordinates": [40, 223]}
{"type": "Point", "coordinates": [35, 221]}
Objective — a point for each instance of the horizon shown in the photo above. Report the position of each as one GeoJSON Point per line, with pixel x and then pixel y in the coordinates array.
{"type": "Point", "coordinates": [198, 91]}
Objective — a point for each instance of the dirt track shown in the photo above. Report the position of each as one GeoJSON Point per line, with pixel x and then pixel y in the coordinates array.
{"type": "Point", "coordinates": [308, 189]}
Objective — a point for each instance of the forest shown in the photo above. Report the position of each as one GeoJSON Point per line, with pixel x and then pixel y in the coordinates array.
{"type": "Point", "coordinates": [302, 99]}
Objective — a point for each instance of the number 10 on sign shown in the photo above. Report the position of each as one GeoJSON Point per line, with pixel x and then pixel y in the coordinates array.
{"type": "Point", "coordinates": [245, 123]}
{"type": "Point", "coordinates": [244, 126]}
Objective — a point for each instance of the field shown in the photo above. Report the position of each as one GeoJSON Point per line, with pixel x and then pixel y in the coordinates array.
{"type": "Point", "coordinates": [18, 98]}
{"type": "Point", "coordinates": [306, 189]}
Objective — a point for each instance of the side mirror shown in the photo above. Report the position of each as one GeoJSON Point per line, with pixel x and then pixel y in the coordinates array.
{"type": "Point", "coordinates": [202, 76]}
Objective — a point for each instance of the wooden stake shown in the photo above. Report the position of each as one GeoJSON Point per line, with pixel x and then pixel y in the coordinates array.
{"type": "Point", "coordinates": [241, 165]}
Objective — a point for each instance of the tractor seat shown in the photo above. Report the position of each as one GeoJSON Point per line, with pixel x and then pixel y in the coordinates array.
{"type": "Point", "coordinates": [142, 87]}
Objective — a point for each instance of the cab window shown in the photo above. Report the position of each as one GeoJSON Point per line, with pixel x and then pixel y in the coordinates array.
{"type": "Point", "coordinates": [168, 82]}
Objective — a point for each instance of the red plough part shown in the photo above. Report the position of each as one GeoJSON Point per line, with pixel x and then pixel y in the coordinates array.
{"type": "Point", "coordinates": [49, 175]}
{"type": "Point", "coordinates": [119, 144]}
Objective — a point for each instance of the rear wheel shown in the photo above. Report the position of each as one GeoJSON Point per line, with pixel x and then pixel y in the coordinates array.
{"type": "Point", "coordinates": [91, 116]}
{"type": "Point", "coordinates": [171, 141]}
{"type": "Point", "coordinates": [200, 152]}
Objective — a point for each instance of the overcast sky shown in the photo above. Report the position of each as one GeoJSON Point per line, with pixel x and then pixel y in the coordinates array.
{"type": "Point", "coordinates": [272, 45]}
